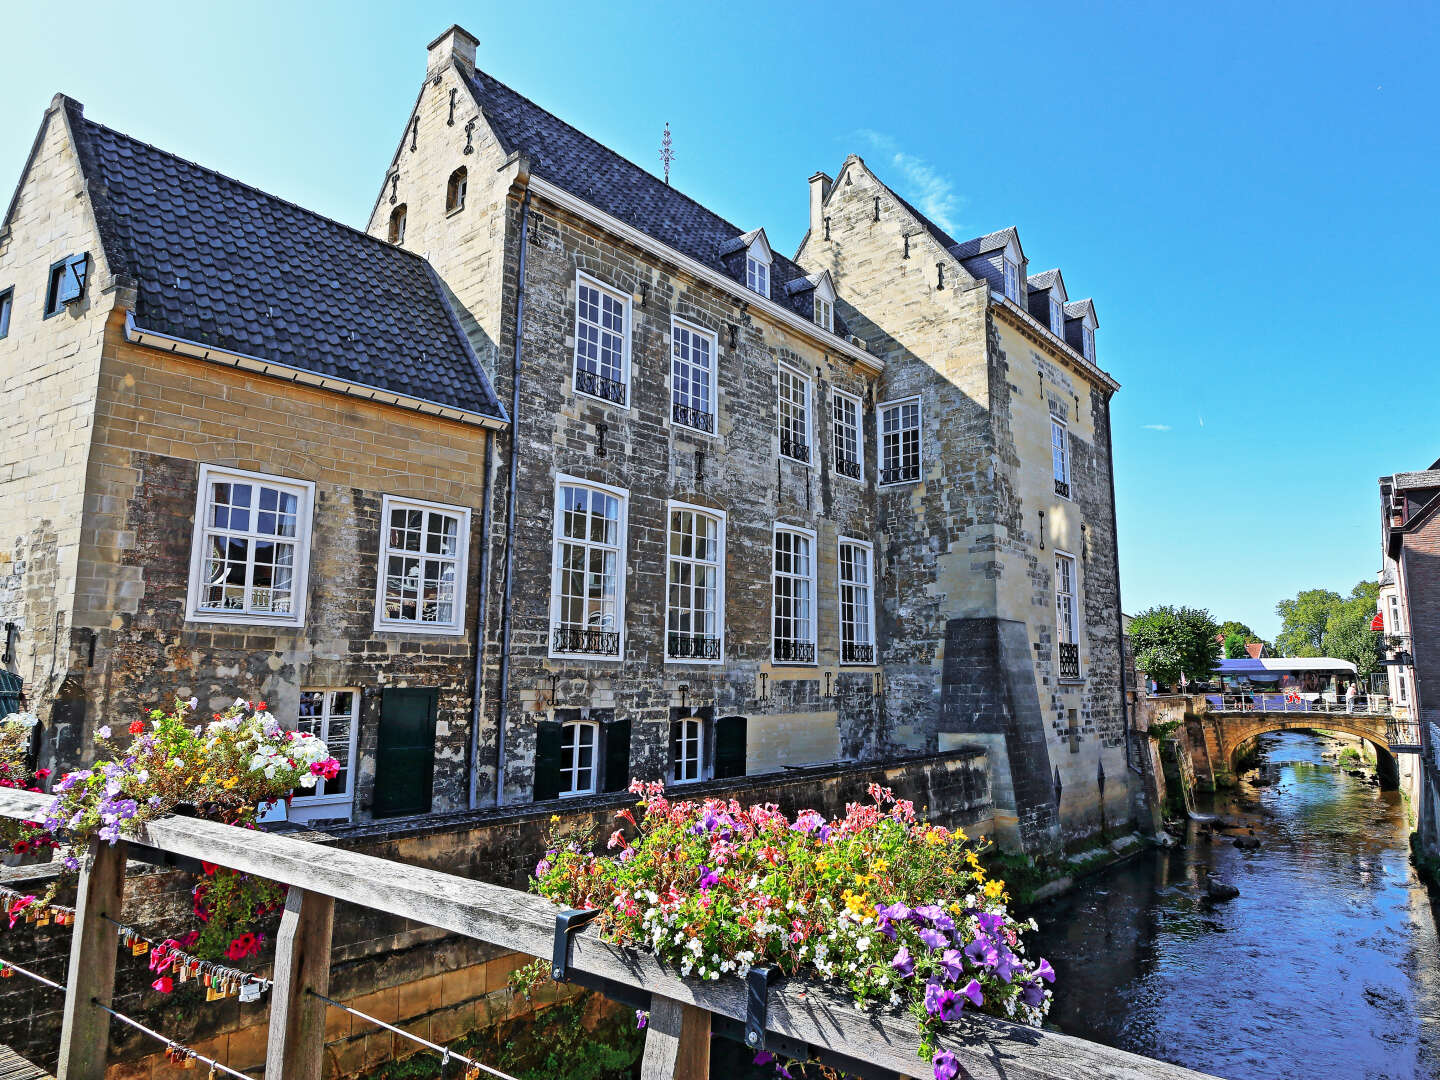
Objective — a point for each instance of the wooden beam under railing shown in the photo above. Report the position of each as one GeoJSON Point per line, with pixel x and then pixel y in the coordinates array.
{"type": "Point", "coordinates": [807, 1012]}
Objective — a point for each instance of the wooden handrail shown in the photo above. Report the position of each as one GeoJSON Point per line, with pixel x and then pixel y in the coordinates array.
{"type": "Point", "coordinates": [808, 1012]}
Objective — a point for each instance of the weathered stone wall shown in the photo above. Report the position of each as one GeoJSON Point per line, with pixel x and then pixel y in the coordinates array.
{"type": "Point", "coordinates": [157, 418]}
{"type": "Point", "coordinates": [49, 369]}
{"type": "Point", "coordinates": [970, 550]}
{"type": "Point", "coordinates": [434, 984]}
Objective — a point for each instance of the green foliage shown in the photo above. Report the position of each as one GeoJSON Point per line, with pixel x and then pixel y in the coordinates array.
{"type": "Point", "coordinates": [569, 1039]}
{"type": "Point", "coordinates": [1320, 622]}
{"type": "Point", "coordinates": [1164, 729]}
{"type": "Point", "coordinates": [1235, 647]}
{"type": "Point", "coordinates": [1350, 757]}
{"type": "Point", "coordinates": [1174, 641]}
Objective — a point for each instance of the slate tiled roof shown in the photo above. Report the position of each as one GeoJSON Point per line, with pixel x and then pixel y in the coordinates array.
{"type": "Point", "coordinates": [1045, 280]}
{"type": "Point", "coordinates": [1408, 481]}
{"type": "Point", "coordinates": [574, 161]}
{"type": "Point", "coordinates": [983, 245]}
{"type": "Point", "coordinates": [223, 264]}
{"type": "Point", "coordinates": [1078, 309]}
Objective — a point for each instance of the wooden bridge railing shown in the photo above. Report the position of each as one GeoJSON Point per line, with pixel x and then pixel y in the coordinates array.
{"type": "Point", "coordinates": [677, 1040]}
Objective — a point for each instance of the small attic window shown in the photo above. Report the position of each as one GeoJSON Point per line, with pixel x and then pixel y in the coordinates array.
{"type": "Point", "coordinates": [397, 225]}
{"type": "Point", "coordinates": [824, 313]}
{"type": "Point", "coordinates": [455, 191]}
{"type": "Point", "coordinates": [757, 274]}
{"type": "Point", "coordinates": [1012, 280]}
{"type": "Point", "coordinates": [1087, 342]}
{"type": "Point", "coordinates": [1057, 317]}
{"type": "Point", "coordinates": [66, 283]}
{"type": "Point", "coordinates": [7, 301]}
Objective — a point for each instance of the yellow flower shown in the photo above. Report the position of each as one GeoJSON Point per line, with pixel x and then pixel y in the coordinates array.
{"type": "Point", "coordinates": [881, 865]}
{"type": "Point", "coordinates": [993, 889]}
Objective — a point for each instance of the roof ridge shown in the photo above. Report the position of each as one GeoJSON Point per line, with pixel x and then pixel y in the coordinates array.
{"type": "Point", "coordinates": [250, 187]}
{"type": "Point", "coordinates": [615, 153]}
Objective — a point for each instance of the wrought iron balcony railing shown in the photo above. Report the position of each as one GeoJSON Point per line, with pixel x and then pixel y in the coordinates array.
{"type": "Point", "coordinates": [692, 647]}
{"type": "Point", "coordinates": [853, 652]}
{"type": "Point", "coordinates": [795, 652]}
{"type": "Point", "coordinates": [899, 474]}
{"type": "Point", "coordinates": [794, 448]}
{"type": "Point", "coordinates": [848, 467]}
{"type": "Point", "coordinates": [1062, 488]}
{"type": "Point", "coordinates": [698, 419]}
{"type": "Point", "coordinates": [600, 386]}
{"type": "Point", "coordinates": [573, 639]}
{"type": "Point", "coordinates": [1069, 660]}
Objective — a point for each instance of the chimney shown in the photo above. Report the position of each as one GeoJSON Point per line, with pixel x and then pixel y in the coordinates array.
{"type": "Point", "coordinates": [454, 45]}
{"type": "Point", "coordinates": [819, 191]}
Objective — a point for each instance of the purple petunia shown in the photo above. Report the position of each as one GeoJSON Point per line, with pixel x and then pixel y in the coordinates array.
{"type": "Point", "coordinates": [989, 922]}
{"type": "Point", "coordinates": [941, 1001]}
{"type": "Point", "coordinates": [933, 939]}
{"type": "Point", "coordinates": [972, 991]}
{"type": "Point", "coordinates": [946, 1067]}
{"type": "Point", "coordinates": [1044, 970]}
{"type": "Point", "coordinates": [641, 1019]}
{"type": "Point", "coordinates": [904, 963]}
{"type": "Point", "coordinates": [950, 964]}
{"type": "Point", "coordinates": [1032, 994]}
{"type": "Point", "coordinates": [708, 878]}
{"type": "Point", "coordinates": [982, 952]}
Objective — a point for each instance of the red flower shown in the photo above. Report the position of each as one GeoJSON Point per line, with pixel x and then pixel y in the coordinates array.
{"type": "Point", "coordinates": [21, 847]}
{"type": "Point", "coordinates": [209, 867]}
{"type": "Point", "coordinates": [137, 727]}
{"type": "Point", "coordinates": [42, 773]}
{"type": "Point", "coordinates": [261, 706]}
{"type": "Point", "coordinates": [243, 946]}
{"type": "Point", "coordinates": [164, 984]}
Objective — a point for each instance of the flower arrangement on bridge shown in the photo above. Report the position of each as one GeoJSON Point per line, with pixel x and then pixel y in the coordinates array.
{"type": "Point", "coordinates": [21, 837]}
{"type": "Point", "coordinates": [893, 911]}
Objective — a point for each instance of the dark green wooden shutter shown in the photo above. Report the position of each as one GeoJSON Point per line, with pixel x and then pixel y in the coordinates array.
{"type": "Point", "coordinates": [405, 755]}
{"type": "Point", "coordinates": [547, 760]}
{"type": "Point", "coordinates": [729, 747]}
{"type": "Point", "coordinates": [617, 754]}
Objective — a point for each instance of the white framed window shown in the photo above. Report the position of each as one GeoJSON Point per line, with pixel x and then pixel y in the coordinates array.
{"type": "Point", "coordinates": [1067, 617]}
{"type": "Point", "coordinates": [1396, 626]}
{"type": "Point", "coordinates": [579, 742]}
{"type": "Point", "coordinates": [251, 551]}
{"type": "Point", "coordinates": [794, 414]}
{"type": "Point", "coordinates": [1057, 317]}
{"type": "Point", "coordinates": [587, 596]}
{"type": "Point", "coordinates": [1087, 342]}
{"type": "Point", "coordinates": [857, 602]}
{"type": "Point", "coordinates": [423, 552]}
{"type": "Point", "coordinates": [824, 313]}
{"type": "Point", "coordinates": [845, 432]}
{"type": "Point", "coordinates": [602, 341]}
{"type": "Point", "coordinates": [695, 599]}
{"type": "Point", "coordinates": [793, 589]}
{"type": "Point", "coordinates": [899, 431]}
{"type": "Point", "coordinates": [1060, 456]}
{"type": "Point", "coordinates": [757, 274]}
{"type": "Point", "coordinates": [687, 750]}
{"type": "Point", "coordinates": [692, 376]}
{"type": "Point", "coordinates": [333, 717]}
{"type": "Point", "coordinates": [1011, 279]}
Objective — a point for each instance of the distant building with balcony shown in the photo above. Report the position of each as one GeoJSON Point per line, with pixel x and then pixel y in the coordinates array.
{"type": "Point", "coordinates": [1409, 617]}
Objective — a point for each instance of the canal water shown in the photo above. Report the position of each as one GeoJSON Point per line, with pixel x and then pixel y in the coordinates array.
{"type": "Point", "coordinates": [1325, 967]}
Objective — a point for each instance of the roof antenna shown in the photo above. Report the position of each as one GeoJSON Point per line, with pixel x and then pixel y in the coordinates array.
{"type": "Point", "coordinates": [667, 155]}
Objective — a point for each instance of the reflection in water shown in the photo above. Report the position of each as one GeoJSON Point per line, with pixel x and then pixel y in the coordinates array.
{"type": "Point", "coordinates": [1326, 966]}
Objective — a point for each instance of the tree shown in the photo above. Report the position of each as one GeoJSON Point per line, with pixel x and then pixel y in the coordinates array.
{"type": "Point", "coordinates": [1303, 621]}
{"type": "Point", "coordinates": [1230, 626]}
{"type": "Point", "coordinates": [1170, 642]}
{"type": "Point", "coordinates": [1234, 645]}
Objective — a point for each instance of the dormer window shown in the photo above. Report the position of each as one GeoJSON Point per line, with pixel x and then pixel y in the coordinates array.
{"type": "Point", "coordinates": [455, 191]}
{"type": "Point", "coordinates": [1087, 343]}
{"type": "Point", "coordinates": [1057, 318]}
{"type": "Point", "coordinates": [1012, 280]}
{"type": "Point", "coordinates": [824, 313]}
{"type": "Point", "coordinates": [757, 274]}
{"type": "Point", "coordinates": [397, 225]}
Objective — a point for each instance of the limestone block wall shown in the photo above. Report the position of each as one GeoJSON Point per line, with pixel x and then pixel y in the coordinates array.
{"type": "Point", "coordinates": [49, 370]}
{"type": "Point", "coordinates": [158, 417]}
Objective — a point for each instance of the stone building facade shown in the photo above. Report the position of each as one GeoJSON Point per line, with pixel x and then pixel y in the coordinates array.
{"type": "Point", "coordinates": [744, 512]}
{"type": "Point", "coordinates": [215, 441]}
{"type": "Point", "coordinates": [929, 459]}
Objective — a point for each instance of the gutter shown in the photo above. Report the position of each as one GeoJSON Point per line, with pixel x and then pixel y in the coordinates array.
{"type": "Point", "coordinates": [783, 315]}
{"type": "Point", "coordinates": [200, 351]}
{"type": "Point", "coordinates": [1089, 368]}
{"type": "Point", "coordinates": [503, 712]}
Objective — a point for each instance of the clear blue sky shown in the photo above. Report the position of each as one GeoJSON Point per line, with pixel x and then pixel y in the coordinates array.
{"type": "Point", "coordinates": [1247, 192]}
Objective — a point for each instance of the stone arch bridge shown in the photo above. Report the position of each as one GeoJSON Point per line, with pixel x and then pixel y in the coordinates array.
{"type": "Point", "coordinates": [1219, 728]}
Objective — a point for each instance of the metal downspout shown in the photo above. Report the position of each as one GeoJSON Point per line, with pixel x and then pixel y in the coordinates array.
{"type": "Point", "coordinates": [504, 710]}
{"type": "Point", "coordinates": [473, 755]}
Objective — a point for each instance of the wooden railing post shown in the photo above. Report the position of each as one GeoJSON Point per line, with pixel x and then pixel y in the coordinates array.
{"type": "Point", "coordinates": [296, 1050]}
{"type": "Point", "coordinates": [85, 1031]}
{"type": "Point", "coordinates": [677, 1041]}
